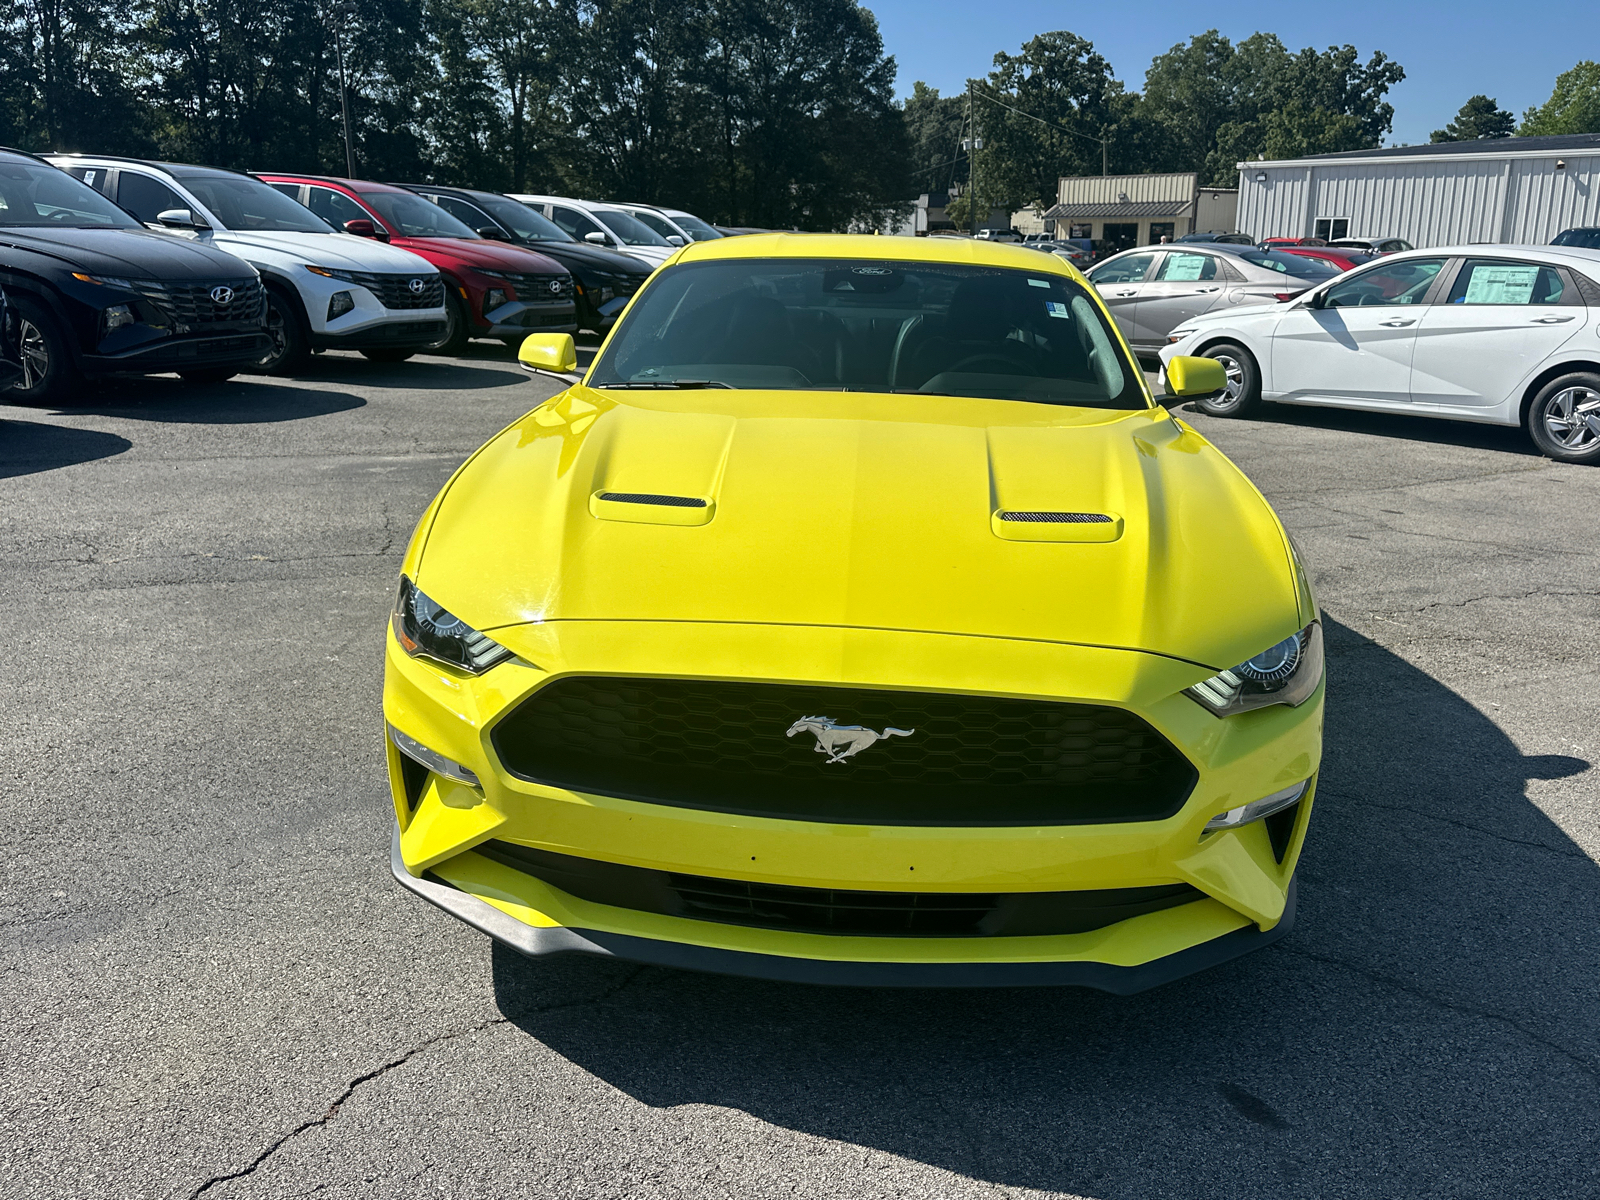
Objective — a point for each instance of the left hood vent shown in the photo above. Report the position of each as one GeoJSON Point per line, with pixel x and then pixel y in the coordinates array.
{"type": "Point", "coordinates": [1044, 526]}
{"type": "Point", "coordinates": [651, 508]}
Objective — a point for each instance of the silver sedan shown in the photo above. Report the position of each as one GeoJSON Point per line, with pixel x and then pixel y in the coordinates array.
{"type": "Point", "coordinates": [1152, 290]}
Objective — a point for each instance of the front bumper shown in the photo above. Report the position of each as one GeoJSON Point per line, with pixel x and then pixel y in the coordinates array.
{"type": "Point", "coordinates": [392, 335]}
{"type": "Point", "coordinates": [1245, 884]}
{"type": "Point", "coordinates": [240, 349]}
{"type": "Point", "coordinates": [518, 319]}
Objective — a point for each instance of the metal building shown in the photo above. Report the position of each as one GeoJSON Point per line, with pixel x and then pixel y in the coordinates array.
{"type": "Point", "coordinates": [1516, 190]}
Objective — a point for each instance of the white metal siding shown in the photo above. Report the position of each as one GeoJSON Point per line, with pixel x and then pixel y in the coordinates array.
{"type": "Point", "coordinates": [1545, 201]}
{"type": "Point", "coordinates": [1275, 208]}
{"type": "Point", "coordinates": [1101, 189]}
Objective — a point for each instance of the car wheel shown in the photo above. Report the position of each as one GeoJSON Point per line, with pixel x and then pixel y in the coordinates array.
{"type": "Point", "coordinates": [1564, 419]}
{"type": "Point", "coordinates": [454, 340]}
{"type": "Point", "coordinates": [388, 356]}
{"type": "Point", "coordinates": [49, 375]}
{"type": "Point", "coordinates": [1243, 393]}
{"type": "Point", "coordinates": [291, 347]}
{"type": "Point", "coordinates": [210, 375]}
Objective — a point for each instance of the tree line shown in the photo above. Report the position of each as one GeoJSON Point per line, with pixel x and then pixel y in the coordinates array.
{"type": "Point", "coordinates": [776, 113]}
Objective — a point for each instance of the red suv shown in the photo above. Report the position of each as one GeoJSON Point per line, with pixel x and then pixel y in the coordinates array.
{"type": "Point", "coordinates": [491, 290]}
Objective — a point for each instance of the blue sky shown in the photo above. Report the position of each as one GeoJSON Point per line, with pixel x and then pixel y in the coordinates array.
{"type": "Point", "coordinates": [1511, 51]}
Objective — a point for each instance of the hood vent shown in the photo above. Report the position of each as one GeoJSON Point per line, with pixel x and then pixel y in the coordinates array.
{"type": "Point", "coordinates": [1038, 525]}
{"type": "Point", "coordinates": [663, 501]}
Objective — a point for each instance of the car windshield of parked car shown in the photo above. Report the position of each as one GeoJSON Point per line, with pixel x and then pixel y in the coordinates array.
{"type": "Point", "coordinates": [696, 228]}
{"type": "Point", "coordinates": [871, 326]}
{"type": "Point", "coordinates": [1297, 265]}
{"type": "Point", "coordinates": [1403, 282]}
{"type": "Point", "coordinates": [35, 194]}
{"type": "Point", "coordinates": [242, 203]}
{"type": "Point", "coordinates": [627, 230]}
{"type": "Point", "coordinates": [1588, 239]}
{"type": "Point", "coordinates": [415, 217]}
{"type": "Point", "coordinates": [528, 225]}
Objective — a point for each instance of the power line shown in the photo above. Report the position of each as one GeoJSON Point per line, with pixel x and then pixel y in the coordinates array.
{"type": "Point", "coordinates": [1052, 125]}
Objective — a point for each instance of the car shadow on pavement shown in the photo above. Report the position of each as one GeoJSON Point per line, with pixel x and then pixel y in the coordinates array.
{"type": "Point", "coordinates": [241, 401]}
{"type": "Point", "coordinates": [1431, 1027]}
{"type": "Point", "coordinates": [417, 374]}
{"type": "Point", "coordinates": [1506, 439]}
{"type": "Point", "coordinates": [28, 447]}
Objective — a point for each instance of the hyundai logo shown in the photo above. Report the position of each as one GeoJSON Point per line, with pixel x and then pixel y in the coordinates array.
{"type": "Point", "coordinates": [222, 295]}
{"type": "Point", "coordinates": [555, 286]}
{"type": "Point", "coordinates": [416, 286]}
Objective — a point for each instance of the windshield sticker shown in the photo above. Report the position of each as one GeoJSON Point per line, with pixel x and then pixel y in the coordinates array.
{"type": "Point", "coordinates": [1510, 284]}
{"type": "Point", "coordinates": [1057, 309]}
{"type": "Point", "coordinates": [1044, 283]}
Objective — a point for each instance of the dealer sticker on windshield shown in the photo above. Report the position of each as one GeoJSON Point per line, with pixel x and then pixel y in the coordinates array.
{"type": "Point", "coordinates": [1044, 283]}
{"type": "Point", "coordinates": [1056, 309]}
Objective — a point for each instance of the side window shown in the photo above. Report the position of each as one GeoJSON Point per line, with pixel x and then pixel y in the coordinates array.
{"type": "Point", "coordinates": [574, 222]}
{"type": "Point", "coordinates": [335, 207]}
{"type": "Point", "coordinates": [1488, 281]}
{"type": "Point", "coordinates": [291, 190]}
{"type": "Point", "coordinates": [466, 213]}
{"type": "Point", "coordinates": [1185, 267]}
{"type": "Point", "coordinates": [1405, 282]}
{"type": "Point", "coordinates": [657, 224]}
{"type": "Point", "coordinates": [144, 197]}
{"type": "Point", "coordinates": [1131, 269]}
{"type": "Point", "coordinates": [96, 177]}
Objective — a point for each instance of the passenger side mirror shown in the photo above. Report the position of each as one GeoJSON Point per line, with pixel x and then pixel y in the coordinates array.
{"type": "Point", "coordinates": [180, 218]}
{"type": "Point", "coordinates": [491, 232]}
{"type": "Point", "coordinates": [674, 240]}
{"type": "Point", "coordinates": [550, 354]}
{"type": "Point", "coordinates": [1191, 376]}
{"type": "Point", "coordinates": [599, 239]}
{"type": "Point", "coordinates": [362, 227]}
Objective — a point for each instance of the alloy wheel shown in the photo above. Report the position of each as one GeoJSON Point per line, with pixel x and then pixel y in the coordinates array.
{"type": "Point", "coordinates": [35, 356]}
{"type": "Point", "coordinates": [277, 330]}
{"type": "Point", "coordinates": [1572, 418]}
{"type": "Point", "coordinates": [1235, 372]}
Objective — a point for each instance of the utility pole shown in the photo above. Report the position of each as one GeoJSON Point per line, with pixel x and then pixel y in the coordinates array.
{"type": "Point", "coordinates": [339, 12]}
{"type": "Point", "coordinates": [974, 144]}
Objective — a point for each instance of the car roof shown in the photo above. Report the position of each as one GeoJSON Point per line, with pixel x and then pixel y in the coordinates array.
{"type": "Point", "coordinates": [959, 251]}
{"type": "Point", "coordinates": [355, 185]}
{"type": "Point", "coordinates": [176, 170]}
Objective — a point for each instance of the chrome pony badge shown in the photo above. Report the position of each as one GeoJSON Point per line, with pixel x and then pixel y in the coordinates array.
{"type": "Point", "coordinates": [840, 742]}
{"type": "Point", "coordinates": [222, 295]}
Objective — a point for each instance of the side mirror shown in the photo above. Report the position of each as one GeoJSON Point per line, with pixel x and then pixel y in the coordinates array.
{"type": "Point", "coordinates": [362, 227]}
{"type": "Point", "coordinates": [599, 239]}
{"type": "Point", "coordinates": [552, 354]}
{"type": "Point", "coordinates": [1191, 376]}
{"type": "Point", "coordinates": [491, 232]}
{"type": "Point", "coordinates": [180, 218]}
{"type": "Point", "coordinates": [674, 240]}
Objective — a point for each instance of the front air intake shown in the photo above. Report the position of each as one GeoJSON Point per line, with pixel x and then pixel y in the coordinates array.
{"type": "Point", "coordinates": [652, 498]}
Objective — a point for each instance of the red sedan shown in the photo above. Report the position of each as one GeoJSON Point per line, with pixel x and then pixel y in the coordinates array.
{"type": "Point", "coordinates": [1343, 259]}
{"type": "Point", "coordinates": [1284, 243]}
{"type": "Point", "coordinates": [492, 290]}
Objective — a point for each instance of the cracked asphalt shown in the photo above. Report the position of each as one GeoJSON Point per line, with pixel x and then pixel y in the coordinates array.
{"type": "Point", "coordinates": [212, 988]}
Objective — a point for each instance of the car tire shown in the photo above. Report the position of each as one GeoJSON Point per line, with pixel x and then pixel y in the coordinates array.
{"type": "Point", "coordinates": [454, 340]}
{"type": "Point", "coordinates": [1242, 396]}
{"type": "Point", "coordinates": [209, 375]}
{"type": "Point", "coordinates": [49, 374]}
{"type": "Point", "coordinates": [291, 344]}
{"type": "Point", "coordinates": [388, 356]}
{"type": "Point", "coordinates": [1564, 419]}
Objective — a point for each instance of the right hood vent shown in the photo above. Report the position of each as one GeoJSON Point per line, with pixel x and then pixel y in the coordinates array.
{"type": "Point", "coordinates": [1033, 526]}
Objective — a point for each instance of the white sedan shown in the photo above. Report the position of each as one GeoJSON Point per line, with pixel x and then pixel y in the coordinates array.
{"type": "Point", "coordinates": [1505, 335]}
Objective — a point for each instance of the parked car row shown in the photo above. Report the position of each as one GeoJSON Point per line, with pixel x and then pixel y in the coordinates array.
{"type": "Point", "coordinates": [129, 265]}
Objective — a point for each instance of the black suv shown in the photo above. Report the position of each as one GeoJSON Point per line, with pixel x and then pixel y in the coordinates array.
{"type": "Point", "coordinates": [92, 292]}
{"type": "Point", "coordinates": [1585, 237]}
{"type": "Point", "coordinates": [603, 279]}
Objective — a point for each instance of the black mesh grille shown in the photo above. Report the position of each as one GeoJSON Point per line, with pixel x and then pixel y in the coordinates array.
{"type": "Point", "coordinates": [953, 760]}
{"type": "Point", "coordinates": [1057, 518]}
{"type": "Point", "coordinates": [835, 910]}
{"type": "Point", "coordinates": [244, 300]}
{"type": "Point", "coordinates": [651, 498]}
{"type": "Point", "coordinates": [396, 292]}
{"type": "Point", "coordinates": [541, 289]}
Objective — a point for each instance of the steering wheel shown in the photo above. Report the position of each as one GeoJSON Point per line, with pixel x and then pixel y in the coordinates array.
{"type": "Point", "coordinates": [61, 214]}
{"type": "Point", "coordinates": [987, 356]}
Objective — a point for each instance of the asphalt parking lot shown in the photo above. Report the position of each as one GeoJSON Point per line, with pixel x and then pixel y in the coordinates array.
{"type": "Point", "coordinates": [212, 987]}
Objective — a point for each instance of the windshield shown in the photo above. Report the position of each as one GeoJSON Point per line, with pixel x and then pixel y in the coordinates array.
{"type": "Point", "coordinates": [415, 217]}
{"type": "Point", "coordinates": [695, 227]}
{"type": "Point", "coordinates": [1586, 238]}
{"type": "Point", "coordinates": [871, 326]}
{"type": "Point", "coordinates": [242, 203]}
{"type": "Point", "coordinates": [1297, 265]}
{"type": "Point", "coordinates": [628, 231]}
{"type": "Point", "coordinates": [36, 194]}
{"type": "Point", "coordinates": [522, 220]}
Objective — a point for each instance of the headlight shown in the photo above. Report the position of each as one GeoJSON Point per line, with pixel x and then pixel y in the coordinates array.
{"type": "Point", "coordinates": [493, 274]}
{"type": "Point", "coordinates": [331, 273]}
{"type": "Point", "coordinates": [426, 630]}
{"type": "Point", "coordinates": [1284, 673]}
{"type": "Point", "coordinates": [1177, 335]}
{"type": "Point", "coordinates": [116, 281]}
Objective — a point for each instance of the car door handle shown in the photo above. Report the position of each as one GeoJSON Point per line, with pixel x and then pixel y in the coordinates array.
{"type": "Point", "coordinates": [1550, 320]}
{"type": "Point", "coordinates": [1209, 289]}
{"type": "Point", "coordinates": [1133, 292]}
{"type": "Point", "coordinates": [1399, 322]}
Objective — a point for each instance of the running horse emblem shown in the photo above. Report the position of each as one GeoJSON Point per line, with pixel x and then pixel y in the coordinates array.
{"type": "Point", "coordinates": [840, 742]}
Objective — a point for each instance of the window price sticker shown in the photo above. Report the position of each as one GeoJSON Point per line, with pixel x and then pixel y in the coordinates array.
{"type": "Point", "coordinates": [1510, 284]}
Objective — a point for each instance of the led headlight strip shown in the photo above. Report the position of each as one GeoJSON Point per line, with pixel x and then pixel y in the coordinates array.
{"type": "Point", "coordinates": [1286, 672]}
{"type": "Point", "coordinates": [426, 629]}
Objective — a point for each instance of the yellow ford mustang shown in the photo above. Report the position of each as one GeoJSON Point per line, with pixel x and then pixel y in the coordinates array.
{"type": "Point", "coordinates": [858, 618]}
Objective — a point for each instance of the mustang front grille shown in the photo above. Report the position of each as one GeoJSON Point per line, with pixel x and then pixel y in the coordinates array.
{"type": "Point", "coordinates": [844, 755]}
{"type": "Point", "coordinates": [833, 910]}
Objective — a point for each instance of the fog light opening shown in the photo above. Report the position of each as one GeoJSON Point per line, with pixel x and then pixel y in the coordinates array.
{"type": "Point", "coordinates": [1258, 810]}
{"type": "Point", "coordinates": [339, 304]}
{"type": "Point", "coordinates": [432, 759]}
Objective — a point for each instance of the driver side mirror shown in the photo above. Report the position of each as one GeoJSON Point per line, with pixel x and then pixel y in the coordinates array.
{"type": "Point", "coordinates": [599, 239]}
{"type": "Point", "coordinates": [1188, 375]}
{"type": "Point", "coordinates": [361, 227]}
{"type": "Point", "coordinates": [180, 218]}
{"type": "Point", "coordinates": [490, 232]}
{"type": "Point", "coordinates": [550, 354]}
{"type": "Point", "coordinates": [674, 240]}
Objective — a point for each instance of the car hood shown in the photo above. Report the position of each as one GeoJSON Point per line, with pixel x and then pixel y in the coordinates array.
{"type": "Point", "coordinates": [127, 252]}
{"type": "Point", "coordinates": [866, 511]}
{"type": "Point", "coordinates": [581, 255]}
{"type": "Point", "coordinates": [483, 254]}
{"type": "Point", "coordinates": [325, 250]}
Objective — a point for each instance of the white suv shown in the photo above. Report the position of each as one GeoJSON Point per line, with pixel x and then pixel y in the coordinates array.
{"type": "Point", "coordinates": [325, 289]}
{"type": "Point", "coordinates": [603, 225]}
{"type": "Point", "coordinates": [673, 223]}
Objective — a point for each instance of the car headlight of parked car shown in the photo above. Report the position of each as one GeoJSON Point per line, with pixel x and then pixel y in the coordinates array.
{"type": "Point", "coordinates": [1178, 334]}
{"type": "Point", "coordinates": [1286, 672]}
{"type": "Point", "coordinates": [332, 273]}
{"type": "Point", "coordinates": [425, 629]}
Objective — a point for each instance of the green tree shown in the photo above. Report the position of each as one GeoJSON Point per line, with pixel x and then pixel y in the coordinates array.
{"type": "Point", "coordinates": [935, 125]}
{"type": "Point", "coordinates": [1573, 107]}
{"type": "Point", "coordinates": [1480, 117]}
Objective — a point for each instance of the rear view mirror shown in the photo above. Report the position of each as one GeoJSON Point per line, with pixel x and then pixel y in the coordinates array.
{"type": "Point", "coordinates": [599, 239]}
{"type": "Point", "coordinates": [362, 227]}
{"type": "Point", "coordinates": [180, 218]}
{"type": "Point", "coordinates": [1191, 376]}
{"type": "Point", "coordinates": [550, 354]}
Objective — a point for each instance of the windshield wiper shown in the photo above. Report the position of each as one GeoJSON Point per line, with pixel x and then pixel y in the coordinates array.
{"type": "Point", "coordinates": [669, 383]}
